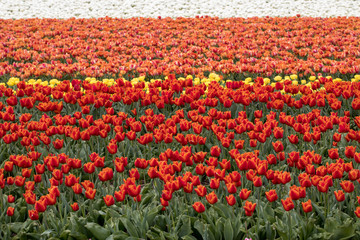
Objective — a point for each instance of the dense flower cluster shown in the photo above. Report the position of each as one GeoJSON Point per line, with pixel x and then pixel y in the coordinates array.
{"type": "Point", "coordinates": [128, 48]}
{"type": "Point", "coordinates": [108, 139]}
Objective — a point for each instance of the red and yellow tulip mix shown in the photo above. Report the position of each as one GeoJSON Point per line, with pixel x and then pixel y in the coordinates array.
{"type": "Point", "coordinates": [250, 145]}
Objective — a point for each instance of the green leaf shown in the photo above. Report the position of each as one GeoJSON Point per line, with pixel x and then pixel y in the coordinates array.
{"type": "Point", "coordinates": [269, 213]}
{"type": "Point", "coordinates": [77, 235]}
{"type": "Point", "coordinates": [111, 213]}
{"type": "Point", "coordinates": [16, 227]}
{"type": "Point", "coordinates": [146, 200]}
{"type": "Point", "coordinates": [318, 211]}
{"type": "Point", "coordinates": [152, 236]}
{"type": "Point", "coordinates": [98, 231]}
{"type": "Point", "coordinates": [200, 226]}
{"type": "Point", "coordinates": [223, 210]}
{"type": "Point", "coordinates": [219, 226]}
{"type": "Point", "coordinates": [185, 229]}
{"type": "Point", "coordinates": [228, 230]}
{"type": "Point", "coordinates": [47, 232]}
{"type": "Point", "coordinates": [130, 227]}
{"type": "Point", "coordinates": [34, 235]}
{"type": "Point", "coordinates": [189, 237]}
{"type": "Point", "coordinates": [203, 229]}
{"type": "Point", "coordinates": [78, 225]}
{"type": "Point", "coordinates": [150, 216]}
{"type": "Point", "coordinates": [340, 230]}
{"type": "Point", "coordinates": [65, 234]}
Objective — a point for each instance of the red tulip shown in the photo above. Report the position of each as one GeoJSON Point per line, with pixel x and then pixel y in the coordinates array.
{"type": "Point", "coordinates": [30, 185]}
{"type": "Point", "coordinates": [215, 151]}
{"type": "Point", "coordinates": [200, 190]}
{"type": "Point", "coordinates": [211, 198]}
{"type": "Point", "coordinates": [244, 193]}
{"type": "Point", "coordinates": [249, 208]}
{"type": "Point", "coordinates": [231, 200]}
{"type": "Point", "coordinates": [307, 207]}
{"type": "Point", "coordinates": [109, 200]}
{"type": "Point", "coordinates": [278, 146]}
{"type": "Point", "coordinates": [257, 181]}
{"type": "Point", "coordinates": [253, 143]}
{"type": "Point", "coordinates": [50, 199]}
{"type": "Point", "coordinates": [288, 204]}
{"type": "Point", "coordinates": [40, 205]}
{"type": "Point", "coordinates": [134, 173]}
{"type": "Point", "coordinates": [350, 151]}
{"type": "Point", "coordinates": [120, 195]}
{"type": "Point", "coordinates": [271, 195]}
{"type": "Point", "coordinates": [214, 183]}
{"type": "Point", "coordinates": [235, 176]}
{"type": "Point", "coordinates": [11, 199]}
{"type": "Point", "coordinates": [57, 174]}
{"type": "Point", "coordinates": [19, 181]}
{"type": "Point", "coordinates": [199, 207]}
{"type": "Point", "coordinates": [33, 214]}
{"type": "Point", "coordinates": [77, 188]}
{"type": "Point", "coordinates": [333, 153]}
{"type": "Point", "coordinates": [339, 195]}
{"type": "Point", "coordinates": [354, 174]}
{"type": "Point", "coordinates": [75, 206]}
{"type": "Point", "coordinates": [10, 211]}
{"type": "Point", "coordinates": [278, 132]}
{"type": "Point", "coordinates": [231, 188]}
{"type": "Point", "coordinates": [8, 166]}
{"type": "Point", "coordinates": [323, 186]}
{"type": "Point", "coordinates": [347, 186]}
{"type": "Point", "coordinates": [58, 144]}
{"type": "Point", "coordinates": [106, 174]}
{"type": "Point", "coordinates": [307, 137]}
{"type": "Point", "coordinates": [357, 212]}
{"type": "Point", "coordinates": [294, 193]}
{"type": "Point", "coordinates": [90, 193]}
{"type": "Point", "coordinates": [89, 167]}
{"type": "Point", "coordinates": [70, 180]}
{"type": "Point", "coordinates": [239, 144]}
{"type": "Point", "coordinates": [188, 188]}
{"type": "Point", "coordinates": [40, 168]}
{"type": "Point", "coordinates": [134, 190]}
{"type": "Point", "coordinates": [258, 113]}
{"type": "Point", "coordinates": [112, 148]}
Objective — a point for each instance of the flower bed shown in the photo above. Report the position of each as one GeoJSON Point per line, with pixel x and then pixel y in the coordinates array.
{"type": "Point", "coordinates": [111, 155]}
{"type": "Point", "coordinates": [235, 48]}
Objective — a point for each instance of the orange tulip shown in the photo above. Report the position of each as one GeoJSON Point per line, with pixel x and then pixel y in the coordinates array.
{"type": "Point", "coordinates": [271, 195]}
{"type": "Point", "coordinates": [231, 200]}
{"type": "Point", "coordinates": [10, 211]}
{"type": "Point", "coordinates": [287, 204]}
{"type": "Point", "coordinates": [211, 198]}
{"type": "Point", "coordinates": [249, 208]}
{"type": "Point", "coordinates": [307, 207]}
{"type": "Point", "coordinates": [244, 194]}
{"type": "Point", "coordinates": [109, 200]}
{"type": "Point", "coordinates": [75, 206]}
{"type": "Point", "coordinates": [199, 207]}
{"type": "Point", "coordinates": [33, 214]}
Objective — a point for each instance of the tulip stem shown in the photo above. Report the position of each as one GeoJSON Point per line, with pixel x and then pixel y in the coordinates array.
{"type": "Point", "coordinates": [59, 209]}
{"type": "Point", "coordinates": [1, 199]}
{"type": "Point", "coordinates": [289, 226]}
{"type": "Point", "coordinates": [326, 204]}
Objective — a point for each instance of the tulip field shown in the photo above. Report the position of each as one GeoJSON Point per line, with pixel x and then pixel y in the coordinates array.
{"type": "Point", "coordinates": [185, 128]}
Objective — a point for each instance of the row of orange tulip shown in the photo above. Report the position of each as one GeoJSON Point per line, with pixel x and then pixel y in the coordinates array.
{"type": "Point", "coordinates": [143, 46]}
